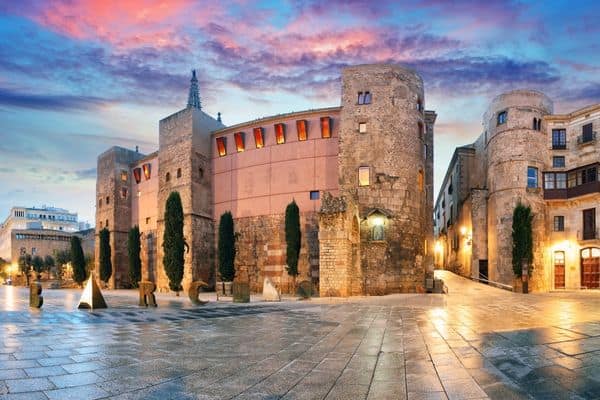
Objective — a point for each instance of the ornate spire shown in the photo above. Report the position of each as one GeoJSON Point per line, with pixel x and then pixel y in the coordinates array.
{"type": "Point", "coordinates": [194, 96]}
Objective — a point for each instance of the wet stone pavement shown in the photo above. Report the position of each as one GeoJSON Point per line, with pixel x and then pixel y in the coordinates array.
{"type": "Point", "coordinates": [477, 342]}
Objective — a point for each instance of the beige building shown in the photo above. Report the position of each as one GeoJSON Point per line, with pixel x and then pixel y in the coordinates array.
{"type": "Point", "coordinates": [547, 161]}
{"type": "Point", "coordinates": [361, 174]}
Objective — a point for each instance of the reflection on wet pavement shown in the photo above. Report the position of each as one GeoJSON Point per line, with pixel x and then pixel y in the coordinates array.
{"type": "Point", "coordinates": [477, 342]}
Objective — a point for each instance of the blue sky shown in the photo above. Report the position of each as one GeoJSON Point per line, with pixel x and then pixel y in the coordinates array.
{"type": "Point", "coordinates": [77, 77]}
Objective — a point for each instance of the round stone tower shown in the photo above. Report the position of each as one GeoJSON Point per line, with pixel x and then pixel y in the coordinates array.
{"type": "Point", "coordinates": [384, 169]}
{"type": "Point", "coordinates": [516, 151]}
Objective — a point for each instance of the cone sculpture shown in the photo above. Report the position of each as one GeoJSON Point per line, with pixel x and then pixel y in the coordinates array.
{"type": "Point", "coordinates": [92, 297]}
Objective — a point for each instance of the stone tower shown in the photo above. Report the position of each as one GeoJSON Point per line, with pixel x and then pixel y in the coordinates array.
{"type": "Point", "coordinates": [113, 208]}
{"type": "Point", "coordinates": [516, 158]}
{"type": "Point", "coordinates": [184, 165]}
{"type": "Point", "coordinates": [385, 168]}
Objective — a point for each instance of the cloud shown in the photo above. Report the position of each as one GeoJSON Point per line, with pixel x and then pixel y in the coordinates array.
{"type": "Point", "coordinates": [84, 174]}
{"type": "Point", "coordinates": [13, 98]}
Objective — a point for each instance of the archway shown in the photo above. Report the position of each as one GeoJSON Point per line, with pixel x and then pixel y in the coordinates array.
{"type": "Point", "coordinates": [590, 268]}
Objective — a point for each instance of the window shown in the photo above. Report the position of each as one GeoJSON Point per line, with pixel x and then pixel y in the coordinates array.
{"type": "Point", "coordinates": [419, 105]}
{"type": "Point", "coordinates": [558, 161]}
{"type": "Point", "coordinates": [425, 151]}
{"type": "Point", "coordinates": [325, 127]}
{"type": "Point", "coordinates": [301, 128]}
{"type": "Point", "coordinates": [106, 224]}
{"type": "Point", "coordinates": [123, 176]}
{"type": "Point", "coordinates": [364, 98]}
{"type": "Point", "coordinates": [362, 127]}
{"type": "Point", "coordinates": [378, 233]}
{"type": "Point", "coordinates": [168, 177]}
{"type": "Point", "coordinates": [532, 177]}
{"type": "Point", "coordinates": [33, 251]}
{"type": "Point", "coordinates": [100, 203]}
{"type": "Point", "coordinates": [314, 195]}
{"type": "Point", "coordinates": [178, 172]}
{"type": "Point", "coordinates": [587, 134]}
{"type": "Point", "coordinates": [258, 137]}
{"type": "Point", "coordinates": [200, 173]}
{"type": "Point", "coordinates": [363, 176]}
{"type": "Point", "coordinates": [147, 170]}
{"type": "Point", "coordinates": [554, 180]}
{"type": "Point", "coordinates": [537, 124]}
{"type": "Point", "coordinates": [502, 117]}
{"type": "Point", "coordinates": [589, 224]}
{"type": "Point", "coordinates": [239, 141]}
{"type": "Point", "coordinates": [147, 220]}
{"type": "Point", "coordinates": [137, 175]}
{"type": "Point", "coordinates": [107, 200]}
{"type": "Point", "coordinates": [124, 192]}
{"type": "Point", "coordinates": [222, 146]}
{"type": "Point", "coordinates": [559, 139]}
{"type": "Point", "coordinates": [280, 133]}
{"type": "Point", "coordinates": [559, 223]}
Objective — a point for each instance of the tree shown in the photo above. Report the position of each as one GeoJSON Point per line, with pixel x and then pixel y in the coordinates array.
{"type": "Point", "coordinates": [25, 265]}
{"type": "Point", "coordinates": [293, 237]}
{"type": "Point", "coordinates": [104, 257]}
{"type": "Point", "coordinates": [37, 263]}
{"type": "Point", "coordinates": [226, 247]}
{"type": "Point", "coordinates": [173, 242]}
{"type": "Point", "coordinates": [49, 263]}
{"type": "Point", "coordinates": [134, 248]}
{"type": "Point", "coordinates": [522, 237]}
{"type": "Point", "coordinates": [62, 257]}
{"type": "Point", "coordinates": [77, 260]}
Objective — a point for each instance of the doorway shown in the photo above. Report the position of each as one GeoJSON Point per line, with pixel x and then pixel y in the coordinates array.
{"type": "Point", "coordinates": [483, 271]}
{"type": "Point", "coordinates": [590, 268]}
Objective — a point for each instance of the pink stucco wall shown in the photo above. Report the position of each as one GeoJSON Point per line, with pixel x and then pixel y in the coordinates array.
{"type": "Point", "coordinates": [263, 181]}
{"type": "Point", "coordinates": [144, 201]}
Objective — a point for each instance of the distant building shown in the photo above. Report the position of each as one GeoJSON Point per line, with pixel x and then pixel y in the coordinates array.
{"type": "Point", "coordinates": [361, 174]}
{"type": "Point", "coordinates": [39, 231]}
{"type": "Point", "coordinates": [547, 161]}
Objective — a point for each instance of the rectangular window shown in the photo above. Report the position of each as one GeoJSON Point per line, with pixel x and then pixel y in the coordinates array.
{"type": "Point", "coordinates": [258, 137]}
{"type": "Point", "coordinates": [137, 174]}
{"type": "Point", "coordinates": [364, 98]}
{"type": "Point", "coordinates": [587, 134]}
{"type": "Point", "coordinates": [280, 133]}
{"type": "Point", "coordinates": [549, 180]}
{"type": "Point", "coordinates": [325, 127]}
{"type": "Point", "coordinates": [572, 182]}
{"type": "Point", "coordinates": [301, 128]}
{"type": "Point", "coordinates": [364, 176]}
{"type": "Point", "coordinates": [532, 177]}
{"type": "Point", "coordinates": [561, 180]}
{"type": "Point", "coordinates": [589, 224]}
{"type": "Point", "coordinates": [592, 174]}
{"type": "Point", "coordinates": [147, 220]}
{"type": "Point", "coordinates": [124, 192]}
{"type": "Point", "coordinates": [239, 141]}
{"type": "Point", "coordinates": [559, 223]}
{"type": "Point", "coordinates": [559, 139]}
{"type": "Point", "coordinates": [222, 146]}
{"type": "Point", "coordinates": [123, 176]}
{"type": "Point", "coordinates": [362, 127]}
{"type": "Point", "coordinates": [558, 161]}
{"type": "Point", "coordinates": [314, 195]}
{"type": "Point", "coordinates": [502, 117]}
{"type": "Point", "coordinates": [147, 170]}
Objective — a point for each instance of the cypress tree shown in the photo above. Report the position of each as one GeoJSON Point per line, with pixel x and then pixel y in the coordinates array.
{"type": "Point", "coordinates": [293, 237]}
{"type": "Point", "coordinates": [135, 263]}
{"type": "Point", "coordinates": [522, 238]}
{"type": "Point", "coordinates": [173, 242]}
{"type": "Point", "coordinates": [104, 256]}
{"type": "Point", "coordinates": [77, 260]}
{"type": "Point", "coordinates": [226, 247]}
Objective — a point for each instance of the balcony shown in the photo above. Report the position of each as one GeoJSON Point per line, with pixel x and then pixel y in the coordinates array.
{"type": "Point", "coordinates": [587, 235]}
{"type": "Point", "coordinates": [581, 181]}
{"type": "Point", "coordinates": [558, 146]}
{"type": "Point", "coordinates": [559, 194]}
{"type": "Point", "coordinates": [586, 138]}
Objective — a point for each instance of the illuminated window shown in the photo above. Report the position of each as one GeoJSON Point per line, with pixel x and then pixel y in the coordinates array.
{"type": "Point", "coordinates": [362, 127]}
{"type": "Point", "coordinates": [147, 170]}
{"type": "Point", "coordinates": [501, 119]}
{"type": "Point", "coordinates": [258, 138]}
{"type": "Point", "coordinates": [325, 127]}
{"type": "Point", "coordinates": [123, 176]}
{"type": "Point", "coordinates": [280, 133]}
{"type": "Point", "coordinates": [137, 175]}
{"type": "Point", "coordinates": [239, 141]}
{"type": "Point", "coordinates": [364, 176]}
{"type": "Point", "coordinates": [179, 172]}
{"type": "Point", "coordinates": [314, 195]}
{"type": "Point", "coordinates": [221, 146]}
{"type": "Point", "coordinates": [301, 128]}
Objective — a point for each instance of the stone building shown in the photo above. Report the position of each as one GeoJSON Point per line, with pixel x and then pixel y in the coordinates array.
{"type": "Point", "coordinates": [361, 174]}
{"type": "Point", "coordinates": [547, 161]}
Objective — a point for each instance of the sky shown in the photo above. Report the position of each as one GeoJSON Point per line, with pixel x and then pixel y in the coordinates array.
{"type": "Point", "coordinates": [77, 77]}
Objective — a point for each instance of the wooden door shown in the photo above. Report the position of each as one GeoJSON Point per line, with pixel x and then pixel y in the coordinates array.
{"type": "Point", "coordinates": [559, 270]}
{"type": "Point", "coordinates": [590, 268]}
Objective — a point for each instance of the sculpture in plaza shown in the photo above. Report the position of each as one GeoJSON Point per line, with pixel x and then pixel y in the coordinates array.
{"type": "Point", "coordinates": [270, 291]}
{"type": "Point", "coordinates": [147, 297]}
{"type": "Point", "coordinates": [194, 290]}
{"type": "Point", "coordinates": [35, 291]}
{"type": "Point", "coordinates": [92, 297]}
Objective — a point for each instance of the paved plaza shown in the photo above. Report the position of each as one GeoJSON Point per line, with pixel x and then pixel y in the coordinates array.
{"type": "Point", "coordinates": [476, 342]}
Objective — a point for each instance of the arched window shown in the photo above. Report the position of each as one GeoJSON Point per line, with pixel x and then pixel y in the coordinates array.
{"type": "Point", "coordinates": [168, 177]}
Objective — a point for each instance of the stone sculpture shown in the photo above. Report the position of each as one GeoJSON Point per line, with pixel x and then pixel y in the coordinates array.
{"type": "Point", "coordinates": [194, 290]}
{"type": "Point", "coordinates": [305, 289]}
{"type": "Point", "coordinates": [35, 290]}
{"type": "Point", "coordinates": [270, 292]}
{"type": "Point", "coordinates": [241, 292]}
{"type": "Point", "coordinates": [147, 297]}
{"type": "Point", "coordinates": [92, 297]}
